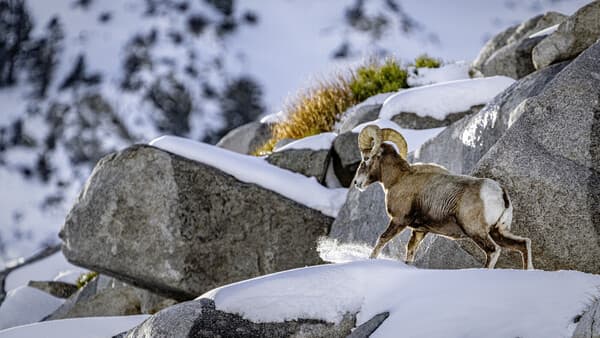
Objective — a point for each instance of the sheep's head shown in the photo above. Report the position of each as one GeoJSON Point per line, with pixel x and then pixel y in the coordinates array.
{"type": "Point", "coordinates": [370, 141]}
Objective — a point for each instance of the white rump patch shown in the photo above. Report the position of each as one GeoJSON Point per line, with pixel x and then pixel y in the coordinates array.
{"type": "Point", "coordinates": [493, 203]}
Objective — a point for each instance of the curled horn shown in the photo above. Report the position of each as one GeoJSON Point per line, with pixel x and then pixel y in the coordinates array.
{"type": "Point", "coordinates": [369, 140]}
{"type": "Point", "coordinates": [396, 138]}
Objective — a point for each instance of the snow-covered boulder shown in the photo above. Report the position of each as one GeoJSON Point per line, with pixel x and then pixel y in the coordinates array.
{"type": "Point", "coordinates": [328, 300]}
{"type": "Point", "coordinates": [440, 104]}
{"type": "Point", "coordinates": [247, 138]}
{"type": "Point", "coordinates": [549, 161]}
{"type": "Point", "coordinates": [180, 227]}
{"type": "Point", "coordinates": [572, 37]}
{"type": "Point", "coordinates": [509, 52]}
{"type": "Point", "coordinates": [200, 318]}
{"type": "Point", "coordinates": [462, 144]}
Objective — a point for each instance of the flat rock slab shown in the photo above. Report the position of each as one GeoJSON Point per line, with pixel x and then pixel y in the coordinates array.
{"type": "Point", "coordinates": [179, 228]}
{"type": "Point", "coordinates": [308, 162]}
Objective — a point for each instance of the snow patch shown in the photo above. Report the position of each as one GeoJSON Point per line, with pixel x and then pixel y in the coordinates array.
{"type": "Point", "coordinates": [450, 72]}
{"type": "Point", "coordinates": [274, 118]}
{"type": "Point", "coordinates": [321, 141]}
{"type": "Point", "coordinates": [53, 267]}
{"type": "Point", "coordinates": [440, 99]}
{"type": "Point", "coordinates": [92, 327]}
{"type": "Point", "coordinates": [250, 169]}
{"type": "Point", "coordinates": [25, 305]}
{"type": "Point", "coordinates": [545, 31]}
{"type": "Point", "coordinates": [472, 133]}
{"type": "Point", "coordinates": [459, 303]}
{"type": "Point", "coordinates": [330, 250]}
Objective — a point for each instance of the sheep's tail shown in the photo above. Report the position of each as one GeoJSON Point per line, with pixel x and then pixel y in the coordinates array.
{"type": "Point", "coordinates": [505, 220]}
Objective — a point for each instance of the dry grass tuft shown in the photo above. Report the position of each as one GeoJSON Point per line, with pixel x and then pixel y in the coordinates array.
{"type": "Point", "coordinates": [311, 112]}
{"type": "Point", "coordinates": [317, 109]}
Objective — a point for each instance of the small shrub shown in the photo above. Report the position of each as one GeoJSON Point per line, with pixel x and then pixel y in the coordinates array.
{"type": "Point", "coordinates": [374, 78]}
{"type": "Point", "coordinates": [425, 61]}
{"type": "Point", "coordinates": [85, 278]}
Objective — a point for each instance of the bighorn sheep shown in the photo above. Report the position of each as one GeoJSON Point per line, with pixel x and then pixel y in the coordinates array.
{"type": "Point", "coordinates": [429, 199]}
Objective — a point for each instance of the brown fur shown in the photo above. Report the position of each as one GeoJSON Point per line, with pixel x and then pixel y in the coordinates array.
{"type": "Point", "coordinates": [427, 198]}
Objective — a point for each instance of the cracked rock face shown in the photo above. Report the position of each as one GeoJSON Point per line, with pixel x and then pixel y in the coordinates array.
{"type": "Point", "coordinates": [589, 323]}
{"type": "Point", "coordinates": [549, 161]}
{"type": "Point", "coordinates": [179, 227]}
{"type": "Point", "coordinates": [460, 146]}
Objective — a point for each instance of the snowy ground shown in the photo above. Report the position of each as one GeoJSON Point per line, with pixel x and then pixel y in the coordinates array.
{"type": "Point", "coordinates": [449, 72]}
{"type": "Point", "coordinates": [93, 327]}
{"type": "Point", "coordinates": [24, 304]}
{"type": "Point", "coordinates": [422, 303]}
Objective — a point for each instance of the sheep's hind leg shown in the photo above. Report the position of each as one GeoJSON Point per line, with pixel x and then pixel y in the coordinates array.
{"type": "Point", "coordinates": [392, 230]}
{"type": "Point", "coordinates": [511, 241]}
{"type": "Point", "coordinates": [416, 238]}
{"type": "Point", "coordinates": [492, 250]}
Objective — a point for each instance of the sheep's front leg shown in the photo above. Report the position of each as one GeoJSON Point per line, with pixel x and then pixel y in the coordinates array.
{"type": "Point", "coordinates": [392, 230]}
{"type": "Point", "coordinates": [416, 238]}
